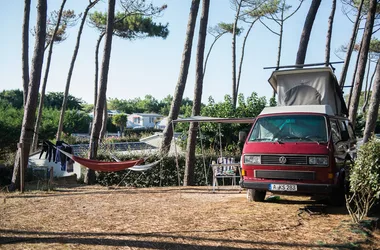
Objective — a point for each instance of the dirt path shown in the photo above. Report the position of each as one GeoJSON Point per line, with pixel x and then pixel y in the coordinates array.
{"type": "Point", "coordinates": [170, 218]}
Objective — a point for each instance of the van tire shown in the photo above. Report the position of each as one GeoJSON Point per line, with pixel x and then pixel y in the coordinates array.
{"type": "Point", "coordinates": [256, 195]}
{"type": "Point", "coordinates": [337, 198]}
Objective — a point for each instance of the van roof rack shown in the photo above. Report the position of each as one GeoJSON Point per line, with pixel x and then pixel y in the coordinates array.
{"type": "Point", "coordinates": [304, 65]}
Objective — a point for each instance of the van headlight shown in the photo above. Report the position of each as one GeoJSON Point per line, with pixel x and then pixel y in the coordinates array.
{"type": "Point", "coordinates": [318, 160]}
{"type": "Point", "coordinates": [252, 159]}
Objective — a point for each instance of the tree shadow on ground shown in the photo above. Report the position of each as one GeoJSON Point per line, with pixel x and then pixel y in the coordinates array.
{"type": "Point", "coordinates": [164, 240]}
{"type": "Point", "coordinates": [120, 190]}
{"type": "Point", "coordinates": [313, 206]}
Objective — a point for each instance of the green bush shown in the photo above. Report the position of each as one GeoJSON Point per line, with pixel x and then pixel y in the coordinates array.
{"type": "Point", "coordinates": [364, 180]}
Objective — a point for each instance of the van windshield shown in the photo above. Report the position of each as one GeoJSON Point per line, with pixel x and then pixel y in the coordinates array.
{"type": "Point", "coordinates": [290, 128]}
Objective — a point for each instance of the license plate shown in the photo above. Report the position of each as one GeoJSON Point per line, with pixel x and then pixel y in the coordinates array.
{"type": "Point", "coordinates": [283, 187]}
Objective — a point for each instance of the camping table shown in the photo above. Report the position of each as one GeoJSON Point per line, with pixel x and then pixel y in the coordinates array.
{"type": "Point", "coordinates": [222, 171]}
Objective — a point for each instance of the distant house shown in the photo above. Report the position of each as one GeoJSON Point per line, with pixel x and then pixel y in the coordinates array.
{"type": "Point", "coordinates": [143, 120]}
{"type": "Point", "coordinates": [162, 123]}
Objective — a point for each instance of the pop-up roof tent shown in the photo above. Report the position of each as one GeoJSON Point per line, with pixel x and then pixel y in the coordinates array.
{"type": "Point", "coordinates": [308, 86]}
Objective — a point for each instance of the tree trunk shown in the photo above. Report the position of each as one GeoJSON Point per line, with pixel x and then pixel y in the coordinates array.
{"type": "Point", "coordinates": [305, 36]}
{"type": "Point", "coordinates": [241, 62]}
{"type": "Point", "coordinates": [329, 33]}
{"type": "Point", "coordinates": [280, 42]}
{"type": "Point", "coordinates": [198, 88]}
{"type": "Point", "coordinates": [353, 76]}
{"type": "Point", "coordinates": [234, 94]}
{"type": "Point", "coordinates": [209, 51]}
{"type": "Point", "coordinates": [373, 110]}
{"type": "Point", "coordinates": [43, 88]}
{"type": "Point", "coordinates": [368, 95]}
{"type": "Point", "coordinates": [279, 48]}
{"type": "Point", "coordinates": [362, 61]}
{"type": "Point", "coordinates": [25, 49]}
{"type": "Point", "coordinates": [76, 49]}
{"type": "Point", "coordinates": [366, 90]}
{"type": "Point", "coordinates": [97, 123]}
{"type": "Point", "coordinates": [103, 130]}
{"type": "Point", "coordinates": [181, 83]}
{"type": "Point", "coordinates": [97, 67]}
{"type": "Point", "coordinates": [350, 47]}
{"type": "Point", "coordinates": [32, 98]}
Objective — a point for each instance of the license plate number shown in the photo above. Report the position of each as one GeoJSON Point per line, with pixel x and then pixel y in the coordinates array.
{"type": "Point", "coordinates": [283, 187]}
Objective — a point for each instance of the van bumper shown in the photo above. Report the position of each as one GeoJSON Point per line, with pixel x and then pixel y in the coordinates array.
{"type": "Point", "coordinates": [306, 188]}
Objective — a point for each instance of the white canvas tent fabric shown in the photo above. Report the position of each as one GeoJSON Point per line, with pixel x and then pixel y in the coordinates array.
{"type": "Point", "coordinates": [317, 86]}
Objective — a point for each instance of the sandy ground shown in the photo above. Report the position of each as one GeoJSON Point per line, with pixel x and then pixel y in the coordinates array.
{"type": "Point", "coordinates": [95, 217]}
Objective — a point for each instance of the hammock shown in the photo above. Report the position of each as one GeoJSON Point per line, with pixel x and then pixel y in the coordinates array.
{"type": "Point", "coordinates": [139, 167]}
{"type": "Point", "coordinates": [144, 167]}
{"type": "Point", "coordinates": [104, 166]}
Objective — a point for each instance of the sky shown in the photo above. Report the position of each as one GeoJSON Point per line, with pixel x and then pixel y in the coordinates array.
{"type": "Point", "coordinates": [151, 66]}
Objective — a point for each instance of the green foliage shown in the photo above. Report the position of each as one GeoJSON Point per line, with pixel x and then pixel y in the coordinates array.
{"type": "Point", "coordinates": [147, 105]}
{"type": "Point", "coordinates": [374, 48]}
{"type": "Point", "coordinates": [165, 105]}
{"type": "Point", "coordinates": [365, 8]}
{"type": "Point", "coordinates": [365, 180]}
{"type": "Point", "coordinates": [260, 8]}
{"type": "Point", "coordinates": [76, 121]}
{"type": "Point", "coordinates": [228, 27]}
{"type": "Point", "coordinates": [55, 99]}
{"type": "Point", "coordinates": [51, 100]}
{"type": "Point", "coordinates": [374, 45]}
{"type": "Point", "coordinates": [120, 120]}
{"type": "Point", "coordinates": [365, 174]}
{"type": "Point", "coordinates": [68, 19]}
{"type": "Point", "coordinates": [11, 121]}
{"type": "Point", "coordinates": [130, 26]}
{"type": "Point", "coordinates": [273, 102]}
{"type": "Point", "coordinates": [12, 97]}
{"type": "Point", "coordinates": [359, 125]}
{"type": "Point", "coordinates": [250, 107]}
{"type": "Point", "coordinates": [10, 127]}
{"type": "Point", "coordinates": [87, 108]}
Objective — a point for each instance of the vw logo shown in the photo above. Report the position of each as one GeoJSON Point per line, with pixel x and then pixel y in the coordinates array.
{"type": "Point", "coordinates": [282, 159]}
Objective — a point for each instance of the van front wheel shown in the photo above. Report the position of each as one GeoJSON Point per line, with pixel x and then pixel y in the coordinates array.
{"type": "Point", "coordinates": [256, 195]}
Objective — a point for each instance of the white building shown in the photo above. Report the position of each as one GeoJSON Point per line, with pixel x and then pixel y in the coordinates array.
{"type": "Point", "coordinates": [143, 120]}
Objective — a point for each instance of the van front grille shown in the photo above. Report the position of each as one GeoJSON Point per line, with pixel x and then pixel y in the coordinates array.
{"type": "Point", "coordinates": [285, 175]}
{"type": "Point", "coordinates": [290, 160]}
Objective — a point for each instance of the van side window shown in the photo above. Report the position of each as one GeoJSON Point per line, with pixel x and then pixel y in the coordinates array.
{"type": "Point", "coordinates": [335, 131]}
{"type": "Point", "coordinates": [343, 131]}
{"type": "Point", "coordinates": [350, 130]}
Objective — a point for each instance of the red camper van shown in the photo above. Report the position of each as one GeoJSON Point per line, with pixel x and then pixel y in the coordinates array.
{"type": "Point", "coordinates": [303, 145]}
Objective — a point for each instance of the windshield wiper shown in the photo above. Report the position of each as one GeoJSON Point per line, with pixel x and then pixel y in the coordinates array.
{"type": "Point", "coordinates": [278, 140]}
{"type": "Point", "coordinates": [300, 138]}
{"type": "Point", "coordinates": [262, 139]}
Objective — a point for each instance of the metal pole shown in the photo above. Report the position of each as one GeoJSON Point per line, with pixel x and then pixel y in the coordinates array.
{"type": "Point", "coordinates": [203, 155]}
{"type": "Point", "coordinates": [176, 156]}
{"type": "Point", "coordinates": [220, 142]}
{"type": "Point", "coordinates": [22, 177]}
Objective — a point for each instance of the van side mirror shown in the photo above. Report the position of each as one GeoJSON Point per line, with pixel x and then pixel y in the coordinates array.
{"type": "Point", "coordinates": [242, 136]}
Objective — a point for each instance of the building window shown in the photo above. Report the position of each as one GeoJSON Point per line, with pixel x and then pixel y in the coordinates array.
{"type": "Point", "coordinates": [136, 120]}
{"type": "Point", "coordinates": [151, 119]}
